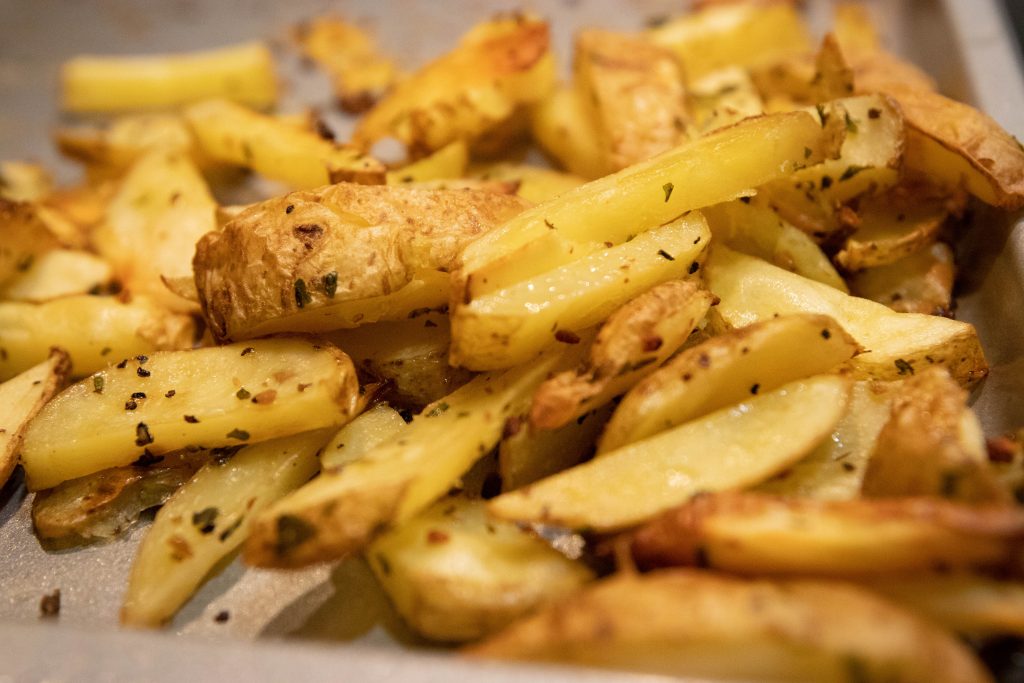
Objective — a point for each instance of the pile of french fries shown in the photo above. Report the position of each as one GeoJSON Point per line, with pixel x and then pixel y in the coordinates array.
{"type": "Point", "coordinates": [695, 404]}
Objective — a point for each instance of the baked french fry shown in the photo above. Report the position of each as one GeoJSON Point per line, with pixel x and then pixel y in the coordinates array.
{"type": "Point", "coordinates": [26, 237]}
{"type": "Point", "coordinates": [448, 162]}
{"type": "Point", "coordinates": [722, 98]}
{"type": "Point", "coordinates": [22, 181]}
{"type": "Point", "coordinates": [563, 128]}
{"type": "Point", "coordinates": [221, 397]}
{"type": "Point", "coordinates": [919, 283]}
{"type": "Point", "coordinates": [57, 273]}
{"type": "Point", "coordinates": [243, 73]}
{"type": "Point", "coordinates": [113, 148]}
{"type": "Point", "coordinates": [21, 399]}
{"type": "Point", "coordinates": [729, 449]}
{"type": "Point", "coordinates": [534, 183]}
{"type": "Point", "coordinates": [360, 436]}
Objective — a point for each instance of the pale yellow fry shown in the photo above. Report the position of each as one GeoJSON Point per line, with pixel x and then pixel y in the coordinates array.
{"type": "Point", "coordinates": [21, 398]}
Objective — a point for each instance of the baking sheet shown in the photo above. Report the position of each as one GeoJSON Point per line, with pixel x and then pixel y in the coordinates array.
{"type": "Point", "coordinates": [331, 622]}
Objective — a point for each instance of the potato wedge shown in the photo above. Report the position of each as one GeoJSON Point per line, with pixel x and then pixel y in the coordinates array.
{"type": "Point", "coordinates": [94, 330]}
{"type": "Point", "coordinates": [359, 72]}
{"type": "Point", "coordinates": [214, 397]}
{"type": "Point", "coordinates": [21, 399]}
{"type": "Point", "coordinates": [698, 625]}
{"type": "Point", "coordinates": [727, 369]}
{"type": "Point", "coordinates": [230, 133]}
{"type": "Point", "coordinates": [497, 66]}
{"type": "Point", "coordinates": [508, 327]}
{"type": "Point", "coordinates": [57, 273]}
{"type": "Point", "coordinates": [740, 34]}
{"type": "Point", "coordinates": [360, 436]}
{"type": "Point", "coordinates": [339, 257]}
{"type": "Point", "coordinates": [722, 98]}
{"type": "Point", "coordinates": [716, 168]}
{"type": "Point", "coordinates": [410, 357]}
{"type": "Point", "coordinates": [340, 512]}
{"type": "Point", "coordinates": [208, 518]}
{"type": "Point", "coordinates": [932, 445]}
{"type": "Point", "coordinates": [101, 506]}
{"type": "Point", "coordinates": [243, 73]}
{"type": "Point", "coordinates": [919, 283]}
{"type": "Point", "coordinates": [750, 226]}
{"type": "Point", "coordinates": [970, 604]}
{"type": "Point", "coordinates": [897, 344]}
{"type": "Point", "coordinates": [751, 533]}
{"type": "Point", "coordinates": [448, 162]}
{"type": "Point", "coordinates": [153, 223]}
{"type": "Point", "coordinates": [562, 126]}
{"type": "Point", "coordinates": [631, 344]}
{"type": "Point", "coordinates": [526, 455]}
{"type": "Point", "coordinates": [633, 91]}
{"type": "Point", "coordinates": [729, 449]}
{"type": "Point", "coordinates": [26, 237]}
{"type": "Point", "coordinates": [455, 575]}
{"type": "Point", "coordinates": [835, 469]}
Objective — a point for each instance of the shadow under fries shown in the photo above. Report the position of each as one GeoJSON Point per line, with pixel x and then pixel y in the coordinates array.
{"type": "Point", "coordinates": [11, 495]}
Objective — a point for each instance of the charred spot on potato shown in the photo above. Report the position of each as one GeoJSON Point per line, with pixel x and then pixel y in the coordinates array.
{"type": "Point", "coordinates": [147, 459]}
{"type": "Point", "coordinates": [205, 520]}
{"type": "Point", "coordinates": [142, 435]}
{"type": "Point", "coordinates": [292, 532]}
{"type": "Point", "coordinates": [567, 337]}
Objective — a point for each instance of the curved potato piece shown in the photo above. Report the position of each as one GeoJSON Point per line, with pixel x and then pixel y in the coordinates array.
{"type": "Point", "coordinates": [104, 504]}
{"type": "Point", "coordinates": [970, 604]}
{"type": "Point", "coordinates": [749, 225]}
{"type": "Point", "coordinates": [58, 273]}
{"type": "Point", "coordinates": [223, 396]}
{"type": "Point", "coordinates": [360, 436]}
{"type": "Point", "coordinates": [340, 512]}
{"type": "Point", "coordinates": [297, 257]}
{"type": "Point", "coordinates": [26, 236]}
{"type": "Point", "coordinates": [244, 73]}
{"type": "Point", "coordinates": [208, 518]}
{"type": "Point", "coordinates": [897, 344]}
{"type": "Point", "coordinates": [633, 91]}
{"type": "Point", "coordinates": [752, 533]}
{"type": "Point", "coordinates": [698, 625]}
{"type": "Point", "coordinates": [514, 324]}
{"type": "Point", "coordinates": [740, 34]}
{"type": "Point", "coordinates": [161, 210]}
{"type": "Point", "coordinates": [727, 369]}
{"type": "Point", "coordinates": [932, 444]}
{"type": "Point", "coordinates": [835, 469]}
{"type": "Point", "coordinates": [94, 330]}
{"type": "Point", "coordinates": [454, 575]}
{"type": "Point", "coordinates": [728, 449]}
{"type": "Point", "coordinates": [562, 126]}
{"type": "Point", "coordinates": [21, 399]}
{"type": "Point", "coordinates": [497, 66]}
{"type": "Point", "coordinates": [632, 343]}
{"type": "Point", "coordinates": [919, 283]}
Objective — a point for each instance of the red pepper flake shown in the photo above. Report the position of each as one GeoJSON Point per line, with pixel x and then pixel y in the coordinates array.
{"type": "Point", "coordinates": [436, 537]}
{"type": "Point", "coordinates": [264, 397]}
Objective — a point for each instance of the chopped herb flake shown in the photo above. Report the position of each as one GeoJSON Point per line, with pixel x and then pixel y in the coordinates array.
{"type": "Point", "coordinates": [851, 125]}
{"type": "Point", "coordinates": [439, 409]}
{"type": "Point", "coordinates": [242, 394]}
{"type": "Point", "coordinates": [292, 531]}
{"type": "Point", "coordinates": [668, 187]}
{"type": "Point", "coordinates": [851, 171]}
{"type": "Point", "coordinates": [694, 267]}
{"type": "Point", "coordinates": [239, 434]}
{"type": "Point", "coordinates": [97, 384]}
{"type": "Point", "coordinates": [302, 296]}
{"type": "Point", "coordinates": [247, 350]}
{"type": "Point", "coordinates": [142, 372]}
{"type": "Point", "coordinates": [665, 255]}
{"type": "Point", "coordinates": [903, 367]}
{"type": "Point", "coordinates": [205, 520]}
{"type": "Point", "coordinates": [191, 419]}
{"type": "Point", "coordinates": [142, 435]}
{"type": "Point", "coordinates": [331, 283]}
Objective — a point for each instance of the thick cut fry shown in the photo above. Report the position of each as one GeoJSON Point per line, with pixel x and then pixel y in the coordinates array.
{"type": "Point", "coordinates": [932, 445]}
{"type": "Point", "coordinates": [897, 344]}
{"type": "Point", "coordinates": [448, 162]}
{"type": "Point", "coordinates": [698, 625]}
{"type": "Point", "coordinates": [101, 506]}
{"type": "Point", "coordinates": [339, 257]}
{"type": "Point", "coordinates": [243, 73]}
{"type": "Point", "coordinates": [716, 168]}
{"type": "Point", "coordinates": [750, 533]}
{"type": "Point", "coordinates": [410, 357]}
{"type": "Point", "coordinates": [526, 456]}
{"type": "Point", "coordinates": [359, 72]}
{"type": "Point", "coordinates": [208, 518]}
{"type": "Point", "coordinates": [94, 330]}
{"type": "Point", "coordinates": [340, 512]}
{"type": "Point", "coordinates": [740, 34]}
{"type": "Point", "coordinates": [57, 273]}
{"type": "Point", "coordinates": [26, 236]}
{"type": "Point", "coordinates": [633, 91]}
{"type": "Point", "coordinates": [727, 369]}
{"type": "Point", "coordinates": [631, 344]}
{"type": "Point", "coordinates": [115, 147]}
{"type": "Point", "coordinates": [360, 436]}
{"type": "Point", "coordinates": [562, 126]}
{"type": "Point", "coordinates": [534, 183]}
{"type": "Point", "coordinates": [455, 575]}
{"type": "Point", "coordinates": [722, 98]}
{"type": "Point", "coordinates": [508, 327]}
{"type": "Point", "coordinates": [215, 397]}
{"type": "Point", "coordinates": [497, 67]}
{"type": "Point", "coordinates": [750, 226]}
{"type": "Point", "coordinates": [22, 181]}
{"type": "Point", "coordinates": [729, 449]}
{"type": "Point", "coordinates": [919, 283]}
{"type": "Point", "coordinates": [835, 469]}
{"type": "Point", "coordinates": [153, 223]}
{"type": "Point", "coordinates": [970, 604]}
{"type": "Point", "coordinates": [21, 398]}
{"type": "Point", "coordinates": [276, 149]}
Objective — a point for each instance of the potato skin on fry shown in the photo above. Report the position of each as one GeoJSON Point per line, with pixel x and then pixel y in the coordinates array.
{"type": "Point", "coordinates": [344, 242]}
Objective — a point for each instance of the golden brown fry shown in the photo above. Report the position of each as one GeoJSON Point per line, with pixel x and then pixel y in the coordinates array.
{"type": "Point", "coordinates": [722, 98]}
{"type": "Point", "coordinates": [22, 181]}
{"type": "Point", "coordinates": [57, 273]}
{"type": "Point", "coordinates": [631, 344]}
{"type": "Point", "coordinates": [26, 236]}
{"type": "Point", "coordinates": [21, 398]}
{"type": "Point", "coordinates": [287, 263]}
{"type": "Point", "coordinates": [563, 128]}
{"type": "Point", "coordinates": [751, 533]}
{"type": "Point", "coordinates": [919, 283]}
